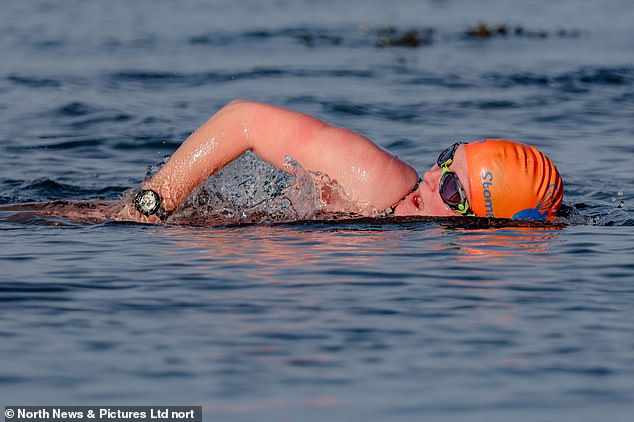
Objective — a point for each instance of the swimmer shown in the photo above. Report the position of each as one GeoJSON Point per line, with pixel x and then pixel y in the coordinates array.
{"type": "Point", "coordinates": [487, 178]}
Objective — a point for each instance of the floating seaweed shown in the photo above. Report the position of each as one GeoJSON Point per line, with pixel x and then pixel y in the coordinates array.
{"type": "Point", "coordinates": [484, 31]}
{"type": "Point", "coordinates": [413, 38]}
{"type": "Point", "coordinates": [392, 36]}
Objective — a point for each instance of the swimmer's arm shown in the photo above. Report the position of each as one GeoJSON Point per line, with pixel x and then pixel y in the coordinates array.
{"type": "Point", "coordinates": [368, 174]}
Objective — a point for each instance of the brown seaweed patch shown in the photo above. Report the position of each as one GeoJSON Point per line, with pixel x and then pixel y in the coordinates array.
{"type": "Point", "coordinates": [412, 38]}
{"type": "Point", "coordinates": [484, 31]}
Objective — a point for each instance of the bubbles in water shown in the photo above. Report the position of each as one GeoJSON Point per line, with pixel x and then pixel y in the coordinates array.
{"type": "Point", "coordinates": [250, 190]}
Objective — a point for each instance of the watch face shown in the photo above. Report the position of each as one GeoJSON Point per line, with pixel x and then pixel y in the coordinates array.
{"type": "Point", "coordinates": [147, 202]}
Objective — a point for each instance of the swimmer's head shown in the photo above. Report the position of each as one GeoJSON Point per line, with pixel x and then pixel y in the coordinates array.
{"type": "Point", "coordinates": [512, 180]}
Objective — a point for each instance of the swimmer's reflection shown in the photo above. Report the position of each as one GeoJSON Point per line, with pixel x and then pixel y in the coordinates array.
{"type": "Point", "coordinates": [279, 247]}
{"type": "Point", "coordinates": [533, 243]}
{"type": "Point", "coordinates": [275, 246]}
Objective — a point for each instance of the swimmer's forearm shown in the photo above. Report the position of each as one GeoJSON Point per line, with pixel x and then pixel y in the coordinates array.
{"type": "Point", "coordinates": [220, 140]}
{"type": "Point", "coordinates": [270, 132]}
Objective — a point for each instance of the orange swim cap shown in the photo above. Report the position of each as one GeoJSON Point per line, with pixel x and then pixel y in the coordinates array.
{"type": "Point", "coordinates": [512, 180]}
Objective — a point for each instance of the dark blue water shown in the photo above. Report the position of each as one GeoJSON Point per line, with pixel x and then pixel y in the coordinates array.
{"type": "Point", "coordinates": [318, 321]}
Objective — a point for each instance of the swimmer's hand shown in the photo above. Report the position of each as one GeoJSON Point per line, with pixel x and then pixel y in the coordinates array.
{"type": "Point", "coordinates": [128, 212]}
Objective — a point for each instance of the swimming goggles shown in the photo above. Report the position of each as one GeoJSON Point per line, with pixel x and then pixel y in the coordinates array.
{"type": "Point", "coordinates": [450, 188]}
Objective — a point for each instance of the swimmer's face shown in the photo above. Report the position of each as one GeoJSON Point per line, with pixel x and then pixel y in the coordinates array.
{"type": "Point", "coordinates": [426, 200]}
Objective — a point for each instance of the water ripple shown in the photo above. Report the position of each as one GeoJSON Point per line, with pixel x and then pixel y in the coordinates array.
{"type": "Point", "coordinates": [48, 189]}
{"type": "Point", "coordinates": [34, 82]}
{"type": "Point", "coordinates": [156, 78]}
{"type": "Point", "coordinates": [576, 80]}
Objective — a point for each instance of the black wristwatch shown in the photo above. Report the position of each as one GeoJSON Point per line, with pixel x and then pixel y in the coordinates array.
{"type": "Point", "coordinates": [148, 202]}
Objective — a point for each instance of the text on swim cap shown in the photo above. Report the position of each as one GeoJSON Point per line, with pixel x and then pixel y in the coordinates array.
{"type": "Point", "coordinates": [487, 182]}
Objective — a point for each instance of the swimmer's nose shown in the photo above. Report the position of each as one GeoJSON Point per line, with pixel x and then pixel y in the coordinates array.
{"type": "Point", "coordinates": [432, 178]}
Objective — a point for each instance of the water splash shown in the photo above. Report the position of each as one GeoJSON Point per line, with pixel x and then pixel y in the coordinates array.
{"type": "Point", "coordinates": [250, 190]}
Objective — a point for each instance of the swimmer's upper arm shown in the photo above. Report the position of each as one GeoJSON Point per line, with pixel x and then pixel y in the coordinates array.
{"type": "Point", "coordinates": [369, 175]}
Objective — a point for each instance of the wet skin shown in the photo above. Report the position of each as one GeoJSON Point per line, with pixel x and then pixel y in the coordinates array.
{"type": "Point", "coordinates": [372, 178]}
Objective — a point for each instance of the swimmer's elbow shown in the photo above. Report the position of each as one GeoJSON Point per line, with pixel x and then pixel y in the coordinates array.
{"type": "Point", "coordinates": [240, 109]}
{"type": "Point", "coordinates": [237, 101]}
{"type": "Point", "coordinates": [240, 103]}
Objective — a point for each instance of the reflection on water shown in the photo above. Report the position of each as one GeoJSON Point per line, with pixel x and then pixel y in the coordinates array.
{"type": "Point", "coordinates": [532, 243]}
{"type": "Point", "coordinates": [280, 247]}
{"type": "Point", "coordinates": [364, 248]}
{"type": "Point", "coordinates": [309, 242]}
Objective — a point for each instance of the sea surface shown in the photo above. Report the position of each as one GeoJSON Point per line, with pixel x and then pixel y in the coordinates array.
{"type": "Point", "coordinates": [383, 320]}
